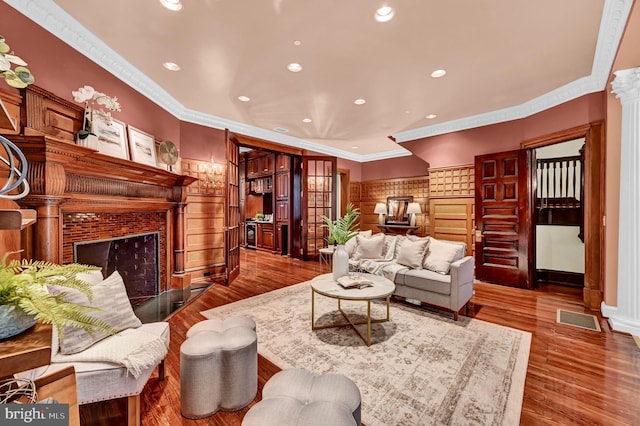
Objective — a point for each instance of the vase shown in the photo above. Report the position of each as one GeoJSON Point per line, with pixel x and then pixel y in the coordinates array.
{"type": "Point", "coordinates": [13, 321]}
{"type": "Point", "coordinates": [91, 141]}
{"type": "Point", "coordinates": [340, 262]}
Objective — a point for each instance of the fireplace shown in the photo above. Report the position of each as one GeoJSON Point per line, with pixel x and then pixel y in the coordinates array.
{"type": "Point", "coordinates": [135, 257]}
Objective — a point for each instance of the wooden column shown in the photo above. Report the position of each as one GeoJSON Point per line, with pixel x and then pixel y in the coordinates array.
{"type": "Point", "coordinates": [626, 315]}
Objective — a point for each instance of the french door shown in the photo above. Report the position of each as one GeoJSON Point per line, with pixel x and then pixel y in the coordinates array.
{"type": "Point", "coordinates": [318, 199]}
{"type": "Point", "coordinates": [232, 207]}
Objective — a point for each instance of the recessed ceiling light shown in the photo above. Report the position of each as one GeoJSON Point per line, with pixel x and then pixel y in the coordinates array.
{"type": "Point", "coordinates": [244, 98]}
{"type": "Point", "coordinates": [280, 129]}
{"type": "Point", "coordinates": [431, 116]}
{"type": "Point", "coordinates": [174, 5]}
{"type": "Point", "coordinates": [297, 42]}
{"type": "Point", "coordinates": [438, 73]}
{"type": "Point", "coordinates": [294, 67]}
{"type": "Point", "coordinates": [384, 14]}
{"type": "Point", "coordinates": [306, 120]}
{"type": "Point", "coordinates": [355, 147]}
{"type": "Point", "coordinates": [171, 66]}
{"type": "Point", "coordinates": [359, 102]}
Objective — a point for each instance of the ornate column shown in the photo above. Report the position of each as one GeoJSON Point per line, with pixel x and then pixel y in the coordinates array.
{"type": "Point", "coordinates": [626, 316]}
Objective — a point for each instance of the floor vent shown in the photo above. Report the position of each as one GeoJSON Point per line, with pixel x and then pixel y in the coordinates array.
{"type": "Point", "coordinates": [576, 319]}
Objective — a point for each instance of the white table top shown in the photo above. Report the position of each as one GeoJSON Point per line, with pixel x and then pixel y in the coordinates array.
{"type": "Point", "coordinates": [327, 286]}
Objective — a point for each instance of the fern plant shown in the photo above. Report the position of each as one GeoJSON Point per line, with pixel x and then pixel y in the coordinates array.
{"type": "Point", "coordinates": [23, 283]}
{"type": "Point", "coordinates": [345, 228]}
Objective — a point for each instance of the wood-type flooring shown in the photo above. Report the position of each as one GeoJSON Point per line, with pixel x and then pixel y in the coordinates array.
{"type": "Point", "coordinates": [574, 376]}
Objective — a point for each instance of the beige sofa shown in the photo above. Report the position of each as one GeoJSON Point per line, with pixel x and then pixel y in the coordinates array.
{"type": "Point", "coordinates": [424, 270]}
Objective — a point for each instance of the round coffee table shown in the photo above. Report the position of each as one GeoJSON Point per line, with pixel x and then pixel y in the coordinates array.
{"type": "Point", "coordinates": [325, 285]}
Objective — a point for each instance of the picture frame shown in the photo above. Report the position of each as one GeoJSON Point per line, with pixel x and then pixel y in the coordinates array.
{"type": "Point", "coordinates": [111, 137]}
{"type": "Point", "coordinates": [142, 147]}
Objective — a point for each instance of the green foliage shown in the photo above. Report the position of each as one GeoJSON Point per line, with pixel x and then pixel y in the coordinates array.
{"type": "Point", "coordinates": [23, 283]}
{"type": "Point", "coordinates": [20, 77]}
{"type": "Point", "coordinates": [345, 228]}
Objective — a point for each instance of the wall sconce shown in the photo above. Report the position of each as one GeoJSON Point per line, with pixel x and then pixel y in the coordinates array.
{"type": "Point", "coordinates": [381, 209]}
{"type": "Point", "coordinates": [413, 209]}
{"type": "Point", "coordinates": [213, 176]}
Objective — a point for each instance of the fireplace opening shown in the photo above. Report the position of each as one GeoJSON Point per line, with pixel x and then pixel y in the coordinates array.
{"type": "Point", "coordinates": [135, 257]}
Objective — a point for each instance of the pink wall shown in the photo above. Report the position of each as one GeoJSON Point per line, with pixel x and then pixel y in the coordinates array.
{"type": "Point", "coordinates": [355, 174]}
{"type": "Point", "coordinates": [401, 167]}
{"type": "Point", "coordinates": [459, 148]}
{"type": "Point", "coordinates": [202, 143]}
{"type": "Point", "coordinates": [60, 69]}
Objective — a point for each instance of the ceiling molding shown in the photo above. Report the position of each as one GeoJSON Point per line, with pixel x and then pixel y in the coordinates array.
{"type": "Point", "coordinates": [614, 19]}
{"type": "Point", "coordinates": [54, 19]}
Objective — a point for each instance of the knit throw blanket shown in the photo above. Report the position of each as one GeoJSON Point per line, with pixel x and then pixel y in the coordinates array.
{"type": "Point", "coordinates": [136, 350]}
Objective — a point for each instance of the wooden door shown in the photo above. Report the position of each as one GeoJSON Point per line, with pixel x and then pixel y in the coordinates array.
{"type": "Point", "coordinates": [502, 243]}
{"type": "Point", "coordinates": [318, 199]}
{"type": "Point", "coordinates": [232, 219]}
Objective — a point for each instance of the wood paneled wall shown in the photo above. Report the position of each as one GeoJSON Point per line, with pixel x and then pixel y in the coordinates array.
{"type": "Point", "coordinates": [204, 235]}
{"type": "Point", "coordinates": [451, 204]}
{"type": "Point", "coordinates": [377, 191]}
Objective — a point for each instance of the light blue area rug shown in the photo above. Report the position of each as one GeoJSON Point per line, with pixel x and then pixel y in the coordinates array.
{"type": "Point", "coordinates": [421, 368]}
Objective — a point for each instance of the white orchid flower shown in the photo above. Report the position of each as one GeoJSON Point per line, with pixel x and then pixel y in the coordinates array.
{"type": "Point", "coordinates": [83, 94]}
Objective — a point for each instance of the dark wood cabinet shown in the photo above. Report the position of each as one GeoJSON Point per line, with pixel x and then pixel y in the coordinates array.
{"type": "Point", "coordinates": [283, 162]}
{"type": "Point", "coordinates": [265, 236]}
{"type": "Point", "coordinates": [253, 168]}
{"type": "Point", "coordinates": [267, 165]}
{"type": "Point", "coordinates": [282, 211]}
{"type": "Point", "coordinates": [282, 186]}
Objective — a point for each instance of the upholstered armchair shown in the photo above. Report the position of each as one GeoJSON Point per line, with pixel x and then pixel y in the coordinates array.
{"type": "Point", "coordinates": [116, 366]}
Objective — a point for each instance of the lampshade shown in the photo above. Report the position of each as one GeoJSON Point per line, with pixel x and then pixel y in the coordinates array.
{"type": "Point", "coordinates": [381, 208]}
{"type": "Point", "coordinates": [414, 208]}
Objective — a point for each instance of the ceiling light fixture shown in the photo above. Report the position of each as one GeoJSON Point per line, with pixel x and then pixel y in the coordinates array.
{"type": "Point", "coordinates": [431, 116]}
{"type": "Point", "coordinates": [174, 5]}
{"type": "Point", "coordinates": [355, 147]}
{"type": "Point", "coordinates": [280, 129]}
{"type": "Point", "coordinates": [438, 73]}
{"type": "Point", "coordinates": [294, 67]}
{"type": "Point", "coordinates": [384, 14]}
{"type": "Point", "coordinates": [244, 98]}
{"type": "Point", "coordinates": [360, 101]}
{"type": "Point", "coordinates": [297, 42]}
{"type": "Point", "coordinates": [171, 66]}
{"type": "Point", "coordinates": [306, 120]}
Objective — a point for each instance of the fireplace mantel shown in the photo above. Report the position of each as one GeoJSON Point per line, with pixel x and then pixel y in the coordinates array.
{"type": "Point", "coordinates": [68, 178]}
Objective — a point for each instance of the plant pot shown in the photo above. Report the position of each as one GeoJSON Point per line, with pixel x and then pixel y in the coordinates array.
{"type": "Point", "coordinates": [91, 141]}
{"type": "Point", "coordinates": [340, 262]}
{"type": "Point", "coordinates": [13, 321]}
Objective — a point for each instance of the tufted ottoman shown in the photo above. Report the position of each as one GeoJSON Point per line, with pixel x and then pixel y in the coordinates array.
{"type": "Point", "coordinates": [218, 367]}
{"type": "Point", "coordinates": [298, 397]}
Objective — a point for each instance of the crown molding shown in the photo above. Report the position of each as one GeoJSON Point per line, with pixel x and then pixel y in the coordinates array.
{"type": "Point", "coordinates": [50, 16]}
{"type": "Point", "coordinates": [615, 14]}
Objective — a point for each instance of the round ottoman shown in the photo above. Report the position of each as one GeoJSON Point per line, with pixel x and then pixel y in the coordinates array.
{"type": "Point", "coordinates": [218, 371]}
{"type": "Point", "coordinates": [221, 325]}
{"type": "Point", "coordinates": [298, 397]}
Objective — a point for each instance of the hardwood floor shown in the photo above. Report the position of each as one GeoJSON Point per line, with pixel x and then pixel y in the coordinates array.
{"type": "Point", "coordinates": [574, 376]}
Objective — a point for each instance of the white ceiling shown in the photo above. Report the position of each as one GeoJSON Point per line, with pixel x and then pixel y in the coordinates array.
{"type": "Point", "coordinates": [504, 60]}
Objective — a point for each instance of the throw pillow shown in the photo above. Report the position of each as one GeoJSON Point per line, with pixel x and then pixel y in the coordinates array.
{"type": "Point", "coordinates": [411, 252]}
{"type": "Point", "coordinates": [441, 255]}
{"type": "Point", "coordinates": [110, 297]}
{"type": "Point", "coordinates": [369, 248]}
{"type": "Point", "coordinates": [389, 247]}
{"type": "Point", "coordinates": [350, 245]}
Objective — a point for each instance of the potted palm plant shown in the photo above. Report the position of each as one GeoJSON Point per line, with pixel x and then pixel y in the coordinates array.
{"type": "Point", "coordinates": [341, 231]}
{"type": "Point", "coordinates": [24, 298]}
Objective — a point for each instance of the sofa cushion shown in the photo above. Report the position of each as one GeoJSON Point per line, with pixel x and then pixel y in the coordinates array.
{"type": "Point", "coordinates": [350, 245]}
{"type": "Point", "coordinates": [442, 254]}
{"type": "Point", "coordinates": [369, 248]}
{"type": "Point", "coordinates": [411, 252]}
{"type": "Point", "coordinates": [389, 247]}
{"type": "Point", "coordinates": [110, 297]}
{"type": "Point", "coordinates": [424, 279]}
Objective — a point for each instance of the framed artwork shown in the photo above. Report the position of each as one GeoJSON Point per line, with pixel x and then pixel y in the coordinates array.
{"type": "Point", "coordinates": [142, 147]}
{"type": "Point", "coordinates": [112, 137]}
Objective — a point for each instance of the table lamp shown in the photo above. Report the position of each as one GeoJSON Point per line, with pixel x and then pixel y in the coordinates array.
{"type": "Point", "coordinates": [381, 209]}
{"type": "Point", "coordinates": [412, 209]}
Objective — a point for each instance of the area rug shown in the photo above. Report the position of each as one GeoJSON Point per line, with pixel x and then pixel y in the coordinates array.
{"type": "Point", "coordinates": [422, 367]}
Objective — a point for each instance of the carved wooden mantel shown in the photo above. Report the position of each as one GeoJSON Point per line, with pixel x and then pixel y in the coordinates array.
{"type": "Point", "coordinates": [66, 177]}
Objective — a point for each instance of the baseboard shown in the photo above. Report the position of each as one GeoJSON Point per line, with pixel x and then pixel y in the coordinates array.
{"type": "Point", "coordinates": [573, 279]}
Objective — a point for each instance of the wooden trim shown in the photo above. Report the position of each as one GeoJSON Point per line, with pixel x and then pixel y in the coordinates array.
{"type": "Point", "coordinates": [594, 198]}
{"type": "Point", "coordinates": [573, 279]}
{"type": "Point", "coordinates": [252, 142]}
